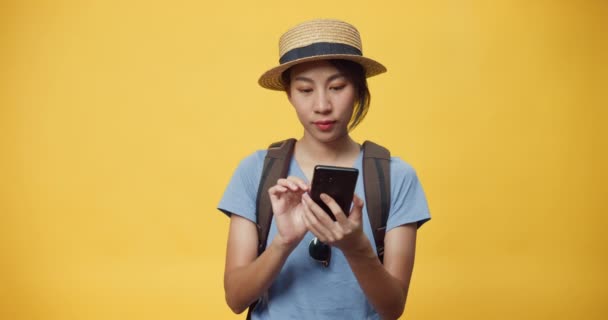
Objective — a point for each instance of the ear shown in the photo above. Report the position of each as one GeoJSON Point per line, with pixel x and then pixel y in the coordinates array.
{"type": "Point", "coordinates": [288, 94]}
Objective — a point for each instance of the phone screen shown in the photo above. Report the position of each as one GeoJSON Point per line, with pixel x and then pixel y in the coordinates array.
{"type": "Point", "coordinates": [337, 182]}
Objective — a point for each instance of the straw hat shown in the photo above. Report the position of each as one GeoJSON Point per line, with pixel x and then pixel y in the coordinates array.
{"type": "Point", "coordinates": [319, 39]}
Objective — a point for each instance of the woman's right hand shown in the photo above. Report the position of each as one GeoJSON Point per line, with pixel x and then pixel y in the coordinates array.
{"type": "Point", "coordinates": [286, 199]}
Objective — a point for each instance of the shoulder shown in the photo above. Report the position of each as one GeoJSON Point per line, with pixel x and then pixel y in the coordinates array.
{"type": "Point", "coordinates": [408, 201]}
{"type": "Point", "coordinates": [240, 193]}
{"type": "Point", "coordinates": [253, 160]}
{"type": "Point", "coordinates": [403, 177]}
{"type": "Point", "coordinates": [250, 167]}
{"type": "Point", "coordinates": [256, 159]}
{"type": "Point", "coordinates": [400, 169]}
{"type": "Point", "coordinates": [397, 164]}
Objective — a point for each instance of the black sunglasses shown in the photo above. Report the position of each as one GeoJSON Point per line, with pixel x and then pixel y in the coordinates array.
{"type": "Point", "coordinates": [319, 251]}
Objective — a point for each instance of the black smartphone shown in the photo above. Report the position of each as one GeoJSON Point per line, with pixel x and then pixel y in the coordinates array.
{"type": "Point", "coordinates": [337, 182]}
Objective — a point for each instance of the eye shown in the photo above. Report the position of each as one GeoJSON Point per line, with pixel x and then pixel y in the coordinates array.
{"type": "Point", "coordinates": [337, 87]}
{"type": "Point", "coordinates": [304, 90]}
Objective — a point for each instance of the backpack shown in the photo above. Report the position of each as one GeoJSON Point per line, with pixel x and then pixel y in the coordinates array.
{"type": "Point", "coordinates": [376, 180]}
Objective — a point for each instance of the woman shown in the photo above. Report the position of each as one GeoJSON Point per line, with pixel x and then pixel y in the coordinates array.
{"type": "Point", "coordinates": [323, 72]}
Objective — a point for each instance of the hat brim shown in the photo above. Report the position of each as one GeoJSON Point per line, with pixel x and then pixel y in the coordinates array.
{"type": "Point", "coordinates": [271, 79]}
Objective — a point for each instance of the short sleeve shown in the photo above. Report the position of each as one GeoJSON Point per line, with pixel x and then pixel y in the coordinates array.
{"type": "Point", "coordinates": [240, 195]}
{"type": "Point", "coordinates": [408, 202]}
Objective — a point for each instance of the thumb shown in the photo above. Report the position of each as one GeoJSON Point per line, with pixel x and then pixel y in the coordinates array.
{"type": "Point", "coordinates": [357, 211]}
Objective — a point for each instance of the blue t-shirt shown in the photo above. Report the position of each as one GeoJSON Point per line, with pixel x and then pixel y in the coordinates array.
{"type": "Point", "coordinates": [304, 289]}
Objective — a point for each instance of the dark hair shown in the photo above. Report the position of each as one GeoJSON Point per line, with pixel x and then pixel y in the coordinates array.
{"type": "Point", "coordinates": [356, 74]}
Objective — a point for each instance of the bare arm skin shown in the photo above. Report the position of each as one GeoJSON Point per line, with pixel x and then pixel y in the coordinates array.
{"type": "Point", "coordinates": [247, 276]}
{"type": "Point", "coordinates": [385, 286]}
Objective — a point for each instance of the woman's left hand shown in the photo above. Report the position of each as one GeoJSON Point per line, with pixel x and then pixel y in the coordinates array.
{"type": "Point", "coordinates": [346, 233]}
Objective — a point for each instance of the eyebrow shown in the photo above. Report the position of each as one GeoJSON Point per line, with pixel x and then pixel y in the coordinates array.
{"type": "Point", "coordinates": [331, 78]}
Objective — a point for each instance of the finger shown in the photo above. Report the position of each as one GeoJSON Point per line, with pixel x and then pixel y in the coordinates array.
{"type": "Point", "coordinates": [332, 230]}
{"type": "Point", "coordinates": [335, 208]}
{"type": "Point", "coordinates": [310, 227]}
{"type": "Point", "coordinates": [298, 182]}
{"type": "Point", "coordinates": [276, 190]}
{"type": "Point", "coordinates": [317, 227]}
{"type": "Point", "coordinates": [291, 185]}
{"type": "Point", "coordinates": [318, 212]}
{"type": "Point", "coordinates": [357, 211]}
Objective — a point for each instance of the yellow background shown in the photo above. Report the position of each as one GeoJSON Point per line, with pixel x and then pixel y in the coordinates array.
{"type": "Point", "coordinates": [121, 123]}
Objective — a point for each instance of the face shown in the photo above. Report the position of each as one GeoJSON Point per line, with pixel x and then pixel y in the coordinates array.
{"type": "Point", "coordinates": [323, 99]}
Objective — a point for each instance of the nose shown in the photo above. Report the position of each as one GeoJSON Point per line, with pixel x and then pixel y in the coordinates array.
{"type": "Point", "coordinates": [322, 103]}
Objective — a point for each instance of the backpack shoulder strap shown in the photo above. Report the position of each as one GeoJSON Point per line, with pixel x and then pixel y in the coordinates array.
{"type": "Point", "coordinates": [276, 166]}
{"type": "Point", "coordinates": [377, 183]}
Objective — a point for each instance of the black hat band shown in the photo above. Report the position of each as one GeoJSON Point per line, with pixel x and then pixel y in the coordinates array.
{"type": "Point", "coordinates": [319, 49]}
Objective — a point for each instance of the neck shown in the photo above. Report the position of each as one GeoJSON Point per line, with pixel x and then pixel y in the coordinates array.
{"type": "Point", "coordinates": [341, 151]}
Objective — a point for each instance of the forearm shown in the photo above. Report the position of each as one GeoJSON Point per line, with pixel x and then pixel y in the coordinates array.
{"type": "Point", "coordinates": [383, 290]}
{"type": "Point", "coordinates": [243, 285]}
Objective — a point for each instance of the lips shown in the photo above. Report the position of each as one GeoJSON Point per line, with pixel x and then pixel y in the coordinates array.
{"type": "Point", "coordinates": [325, 125]}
